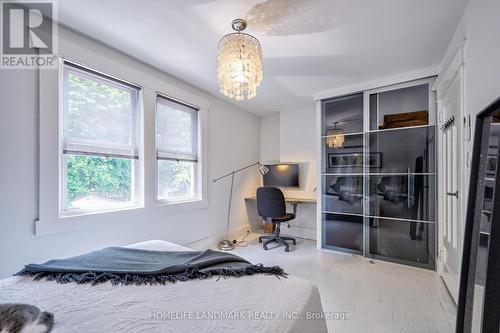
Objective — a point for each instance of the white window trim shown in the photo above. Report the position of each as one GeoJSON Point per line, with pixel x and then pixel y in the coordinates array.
{"type": "Point", "coordinates": [49, 220]}
{"type": "Point", "coordinates": [137, 179]}
{"type": "Point", "coordinates": [198, 177]}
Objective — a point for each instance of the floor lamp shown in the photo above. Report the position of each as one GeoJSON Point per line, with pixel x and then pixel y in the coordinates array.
{"type": "Point", "coordinates": [226, 244]}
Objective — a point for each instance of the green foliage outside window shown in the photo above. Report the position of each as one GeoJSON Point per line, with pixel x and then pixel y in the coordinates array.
{"type": "Point", "coordinates": [175, 175]}
{"type": "Point", "coordinates": [88, 175]}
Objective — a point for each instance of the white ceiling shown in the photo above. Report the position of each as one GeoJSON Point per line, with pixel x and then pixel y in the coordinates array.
{"type": "Point", "coordinates": [308, 45]}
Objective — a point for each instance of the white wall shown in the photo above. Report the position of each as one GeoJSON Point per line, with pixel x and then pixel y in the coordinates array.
{"type": "Point", "coordinates": [270, 138]}
{"type": "Point", "coordinates": [479, 27]}
{"type": "Point", "coordinates": [297, 143]}
{"type": "Point", "coordinates": [233, 141]}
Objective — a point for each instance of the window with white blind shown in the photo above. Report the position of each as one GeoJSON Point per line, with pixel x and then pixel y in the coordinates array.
{"type": "Point", "coordinates": [99, 143]}
{"type": "Point", "coordinates": [176, 150]}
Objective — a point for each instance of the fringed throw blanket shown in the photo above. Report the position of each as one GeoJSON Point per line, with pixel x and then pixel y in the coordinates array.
{"type": "Point", "coordinates": [122, 265]}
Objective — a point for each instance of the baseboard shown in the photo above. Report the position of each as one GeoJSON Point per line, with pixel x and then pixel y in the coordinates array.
{"type": "Point", "coordinates": [210, 242]}
{"type": "Point", "coordinates": [238, 233]}
{"type": "Point", "coordinates": [307, 233]}
{"type": "Point", "coordinates": [203, 244]}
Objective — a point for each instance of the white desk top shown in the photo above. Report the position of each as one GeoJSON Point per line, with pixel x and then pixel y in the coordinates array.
{"type": "Point", "coordinates": [291, 200]}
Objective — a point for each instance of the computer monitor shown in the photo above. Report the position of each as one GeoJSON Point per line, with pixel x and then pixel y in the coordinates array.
{"type": "Point", "coordinates": [282, 175]}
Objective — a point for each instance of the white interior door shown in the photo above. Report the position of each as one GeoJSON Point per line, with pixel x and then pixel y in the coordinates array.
{"type": "Point", "coordinates": [450, 103]}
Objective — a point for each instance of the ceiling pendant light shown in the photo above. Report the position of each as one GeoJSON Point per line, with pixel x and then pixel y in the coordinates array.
{"type": "Point", "coordinates": [335, 137]}
{"type": "Point", "coordinates": [239, 63]}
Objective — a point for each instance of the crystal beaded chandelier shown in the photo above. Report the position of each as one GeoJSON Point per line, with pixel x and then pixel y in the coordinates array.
{"type": "Point", "coordinates": [239, 63]}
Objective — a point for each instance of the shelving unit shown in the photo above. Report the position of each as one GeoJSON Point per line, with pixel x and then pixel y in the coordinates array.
{"type": "Point", "coordinates": [378, 187]}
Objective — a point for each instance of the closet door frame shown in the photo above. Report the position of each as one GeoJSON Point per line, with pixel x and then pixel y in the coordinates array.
{"type": "Point", "coordinates": [367, 89]}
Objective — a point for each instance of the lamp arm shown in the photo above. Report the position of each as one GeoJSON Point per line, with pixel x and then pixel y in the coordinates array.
{"type": "Point", "coordinates": [226, 244]}
{"type": "Point", "coordinates": [235, 171]}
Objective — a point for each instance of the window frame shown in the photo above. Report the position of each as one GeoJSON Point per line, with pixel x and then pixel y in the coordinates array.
{"type": "Point", "coordinates": [198, 164]}
{"type": "Point", "coordinates": [48, 220]}
{"type": "Point", "coordinates": [137, 201]}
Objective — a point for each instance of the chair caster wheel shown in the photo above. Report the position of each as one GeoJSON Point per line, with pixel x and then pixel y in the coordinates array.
{"type": "Point", "coordinates": [265, 247]}
{"type": "Point", "coordinates": [287, 249]}
{"type": "Point", "coordinates": [260, 240]}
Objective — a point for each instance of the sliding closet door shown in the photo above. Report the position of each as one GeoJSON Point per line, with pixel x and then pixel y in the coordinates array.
{"type": "Point", "coordinates": [378, 173]}
{"type": "Point", "coordinates": [342, 174]}
{"type": "Point", "coordinates": [400, 170]}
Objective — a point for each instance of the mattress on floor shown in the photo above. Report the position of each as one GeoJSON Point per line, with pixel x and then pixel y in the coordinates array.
{"type": "Point", "coordinates": [257, 303]}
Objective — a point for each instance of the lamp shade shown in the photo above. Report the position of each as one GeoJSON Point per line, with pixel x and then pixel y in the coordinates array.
{"type": "Point", "coordinates": [264, 170]}
{"type": "Point", "coordinates": [239, 64]}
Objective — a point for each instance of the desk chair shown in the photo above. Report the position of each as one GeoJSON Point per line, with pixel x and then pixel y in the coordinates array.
{"type": "Point", "coordinates": [271, 207]}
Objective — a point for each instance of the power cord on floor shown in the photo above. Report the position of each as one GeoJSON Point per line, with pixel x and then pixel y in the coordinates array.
{"type": "Point", "coordinates": [242, 242]}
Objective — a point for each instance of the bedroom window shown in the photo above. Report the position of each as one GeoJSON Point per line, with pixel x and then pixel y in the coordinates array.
{"type": "Point", "coordinates": [99, 144]}
{"type": "Point", "coordinates": [176, 151]}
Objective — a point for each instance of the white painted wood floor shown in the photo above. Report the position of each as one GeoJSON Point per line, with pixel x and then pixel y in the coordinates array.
{"type": "Point", "coordinates": [381, 297]}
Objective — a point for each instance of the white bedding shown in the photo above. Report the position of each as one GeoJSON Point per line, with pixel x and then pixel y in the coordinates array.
{"type": "Point", "coordinates": [180, 307]}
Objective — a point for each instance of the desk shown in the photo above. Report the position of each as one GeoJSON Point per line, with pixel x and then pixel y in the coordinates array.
{"type": "Point", "coordinates": [304, 226]}
{"type": "Point", "coordinates": [292, 201]}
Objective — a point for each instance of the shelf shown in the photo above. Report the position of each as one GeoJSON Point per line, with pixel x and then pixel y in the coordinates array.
{"type": "Point", "coordinates": [380, 174]}
{"type": "Point", "coordinates": [342, 174]}
{"type": "Point", "coordinates": [399, 128]}
{"type": "Point", "coordinates": [400, 173]}
{"type": "Point", "coordinates": [378, 217]}
{"type": "Point", "coordinates": [382, 130]}
{"type": "Point", "coordinates": [397, 219]}
{"type": "Point", "coordinates": [345, 134]}
{"type": "Point", "coordinates": [339, 213]}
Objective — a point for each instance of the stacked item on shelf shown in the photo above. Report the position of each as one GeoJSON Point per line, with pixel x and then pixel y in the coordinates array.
{"type": "Point", "coordinates": [407, 119]}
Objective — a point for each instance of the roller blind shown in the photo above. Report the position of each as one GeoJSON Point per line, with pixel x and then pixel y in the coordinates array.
{"type": "Point", "coordinates": [176, 130]}
{"type": "Point", "coordinates": [100, 114]}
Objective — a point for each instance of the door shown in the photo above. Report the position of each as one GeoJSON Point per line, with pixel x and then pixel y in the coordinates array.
{"type": "Point", "coordinates": [450, 100]}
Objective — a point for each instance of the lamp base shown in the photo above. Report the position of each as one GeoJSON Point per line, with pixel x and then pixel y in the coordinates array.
{"type": "Point", "coordinates": [225, 245]}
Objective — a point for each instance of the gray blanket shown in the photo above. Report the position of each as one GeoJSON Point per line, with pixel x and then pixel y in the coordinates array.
{"type": "Point", "coordinates": [122, 265]}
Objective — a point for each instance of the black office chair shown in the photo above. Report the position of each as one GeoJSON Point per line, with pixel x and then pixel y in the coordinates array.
{"type": "Point", "coordinates": [271, 207]}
